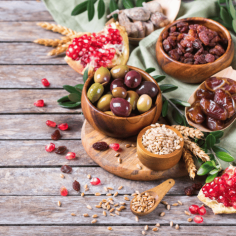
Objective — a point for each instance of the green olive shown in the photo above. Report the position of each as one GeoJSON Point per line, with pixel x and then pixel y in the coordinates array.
{"type": "Point", "coordinates": [119, 92]}
{"type": "Point", "coordinates": [102, 76]}
{"type": "Point", "coordinates": [132, 98]}
{"type": "Point", "coordinates": [95, 92]}
{"type": "Point", "coordinates": [104, 102]}
{"type": "Point", "coordinates": [109, 113]}
{"type": "Point", "coordinates": [119, 71]}
{"type": "Point", "coordinates": [144, 103]}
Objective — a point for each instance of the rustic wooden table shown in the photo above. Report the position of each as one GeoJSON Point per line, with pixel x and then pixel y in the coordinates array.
{"type": "Point", "coordinates": [30, 177]}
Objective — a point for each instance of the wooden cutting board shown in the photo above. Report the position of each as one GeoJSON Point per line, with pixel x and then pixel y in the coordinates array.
{"type": "Point", "coordinates": [128, 168]}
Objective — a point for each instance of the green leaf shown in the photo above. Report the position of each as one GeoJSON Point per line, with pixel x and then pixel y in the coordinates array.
{"type": "Point", "coordinates": [211, 157]}
{"type": "Point", "coordinates": [224, 156]}
{"type": "Point", "coordinates": [79, 87]}
{"type": "Point", "coordinates": [217, 134]}
{"type": "Point", "coordinates": [225, 16]}
{"type": "Point", "coordinates": [205, 168]}
{"type": "Point", "coordinates": [159, 78]}
{"type": "Point", "coordinates": [70, 89]}
{"type": "Point", "coordinates": [75, 97]}
{"type": "Point", "coordinates": [90, 8]}
{"type": "Point", "coordinates": [113, 6]}
{"type": "Point", "coordinates": [219, 149]}
{"type": "Point", "coordinates": [139, 3]}
{"type": "Point", "coordinates": [101, 9]}
{"type": "Point", "coordinates": [164, 108]}
{"type": "Point", "coordinates": [234, 25]}
{"type": "Point", "coordinates": [85, 75]}
{"type": "Point", "coordinates": [178, 118]}
{"type": "Point", "coordinates": [166, 88]}
{"type": "Point", "coordinates": [210, 178]}
{"type": "Point", "coordinates": [179, 102]}
{"type": "Point", "coordinates": [128, 4]}
{"type": "Point", "coordinates": [212, 172]}
{"type": "Point", "coordinates": [232, 9]}
{"type": "Point", "coordinates": [63, 99]}
{"type": "Point", "coordinates": [210, 141]}
{"type": "Point", "coordinates": [70, 104]}
{"type": "Point", "coordinates": [80, 8]}
{"type": "Point", "coordinates": [150, 70]}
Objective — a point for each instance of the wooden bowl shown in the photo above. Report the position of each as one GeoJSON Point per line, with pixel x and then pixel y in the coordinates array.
{"type": "Point", "coordinates": [195, 73]}
{"type": "Point", "coordinates": [158, 162]}
{"type": "Point", "coordinates": [120, 127]}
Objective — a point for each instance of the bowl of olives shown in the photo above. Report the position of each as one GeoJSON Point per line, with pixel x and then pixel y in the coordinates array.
{"type": "Point", "coordinates": [122, 101]}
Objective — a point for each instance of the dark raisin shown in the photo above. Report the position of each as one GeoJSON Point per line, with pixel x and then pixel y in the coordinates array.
{"type": "Point", "coordinates": [189, 191]}
{"type": "Point", "coordinates": [66, 169]}
{"type": "Point", "coordinates": [56, 135]}
{"type": "Point", "coordinates": [100, 146]}
{"type": "Point", "coordinates": [60, 149]}
{"type": "Point", "coordinates": [197, 186]}
{"type": "Point", "coordinates": [76, 186]}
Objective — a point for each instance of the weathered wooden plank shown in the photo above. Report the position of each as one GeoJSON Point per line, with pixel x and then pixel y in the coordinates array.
{"type": "Point", "coordinates": [27, 53]}
{"type": "Point", "coordinates": [47, 181]}
{"type": "Point", "coordinates": [34, 127]}
{"type": "Point", "coordinates": [24, 11]}
{"type": "Point", "coordinates": [29, 76]}
{"type": "Point", "coordinates": [44, 210]}
{"type": "Point", "coordinates": [116, 230]}
{"type": "Point", "coordinates": [22, 101]}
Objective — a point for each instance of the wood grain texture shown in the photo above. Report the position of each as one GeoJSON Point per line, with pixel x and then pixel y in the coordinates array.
{"type": "Point", "coordinates": [29, 76]}
{"type": "Point", "coordinates": [22, 101]}
{"type": "Point", "coordinates": [34, 126]}
{"type": "Point", "coordinates": [44, 210]}
{"type": "Point", "coordinates": [40, 181]}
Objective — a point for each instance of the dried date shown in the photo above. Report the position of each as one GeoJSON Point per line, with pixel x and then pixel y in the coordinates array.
{"type": "Point", "coordinates": [214, 124]}
{"type": "Point", "coordinates": [66, 169]}
{"type": "Point", "coordinates": [214, 83]}
{"type": "Point", "coordinates": [202, 93]}
{"type": "Point", "coordinates": [230, 85]}
{"type": "Point", "coordinates": [195, 113]}
{"type": "Point", "coordinates": [76, 186]}
{"type": "Point", "coordinates": [60, 149]}
{"type": "Point", "coordinates": [100, 146]}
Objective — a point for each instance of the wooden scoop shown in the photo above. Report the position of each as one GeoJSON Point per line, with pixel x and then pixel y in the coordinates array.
{"type": "Point", "coordinates": [158, 192]}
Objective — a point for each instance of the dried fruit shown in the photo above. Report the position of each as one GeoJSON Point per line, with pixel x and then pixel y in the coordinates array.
{"type": "Point", "coordinates": [197, 186]}
{"type": "Point", "coordinates": [45, 82]}
{"type": "Point", "coordinates": [39, 103]}
{"type": "Point", "coordinates": [63, 126]}
{"type": "Point", "coordinates": [198, 219]}
{"type": "Point", "coordinates": [70, 155]}
{"type": "Point", "coordinates": [95, 181]}
{"type": "Point", "coordinates": [100, 146]}
{"type": "Point", "coordinates": [76, 185]}
{"type": "Point", "coordinates": [50, 147]}
{"type": "Point", "coordinates": [64, 191]}
{"type": "Point", "coordinates": [66, 169]}
{"type": "Point", "coordinates": [56, 135]}
{"type": "Point", "coordinates": [194, 209]}
{"type": "Point", "coordinates": [60, 149]}
{"type": "Point", "coordinates": [202, 210]}
{"type": "Point", "coordinates": [189, 191]}
{"type": "Point", "coordinates": [51, 123]}
{"type": "Point", "coordinates": [115, 146]}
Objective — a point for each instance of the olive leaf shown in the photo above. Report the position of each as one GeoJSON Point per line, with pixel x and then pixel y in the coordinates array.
{"type": "Point", "coordinates": [210, 178]}
{"type": "Point", "coordinates": [70, 89]}
{"type": "Point", "coordinates": [232, 9]}
{"type": "Point", "coordinates": [79, 87]}
{"type": "Point", "coordinates": [90, 8]}
{"type": "Point", "coordinates": [164, 108]}
{"type": "Point", "coordinates": [80, 8]}
{"type": "Point", "coordinates": [74, 97]}
{"type": "Point", "coordinates": [139, 3]}
{"type": "Point", "coordinates": [179, 102]}
{"type": "Point", "coordinates": [217, 134]}
{"type": "Point", "coordinates": [113, 6]}
{"type": "Point", "coordinates": [166, 88]}
{"type": "Point", "coordinates": [224, 156]}
{"type": "Point", "coordinates": [128, 4]}
{"type": "Point", "coordinates": [63, 99]}
{"type": "Point", "coordinates": [225, 16]}
{"type": "Point", "coordinates": [234, 25]}
{"type": "Point", "coordinates": [150, 70]}
{"type": "Point", "coordinates": [177, 117]}
{"type": "Point", "coordinates": [205, 168]}
{"type": "Point", "coordinates": [210, 141]}
{"type": "Point", "coordinates": [159, 78]}
{"type": "Point", "coordinates": [101, 9]}
{"type": "Point", "coordinates": [219, 149]}
{"type": "Point", "coordinates": [215, 171]}
{"type": "Point", "coordinates": [85, 75]}
{"type": "Point", "coordinates": [70, 104]}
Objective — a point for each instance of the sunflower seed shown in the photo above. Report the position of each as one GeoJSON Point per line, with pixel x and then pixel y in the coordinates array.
{"type": "Point", "coordinates": [120, 187]}
{"type": "Point", "coordinates": [94, 221]}
{"type": "Point", "coordinates": [59, 203]}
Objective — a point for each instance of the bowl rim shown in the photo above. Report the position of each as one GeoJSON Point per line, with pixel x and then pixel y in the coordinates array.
{"type": "Point", "coordinates": [160, 40]}
{"type": "Point", "coordinates": [159, 96]}
{"type": "Point", "coordinates": [152, 155]}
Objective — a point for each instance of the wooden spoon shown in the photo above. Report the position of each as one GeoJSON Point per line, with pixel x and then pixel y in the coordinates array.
{"type": "Point", "coordinates": [158, 192]}
{"type": "Point", "coordinates": [230, 73]}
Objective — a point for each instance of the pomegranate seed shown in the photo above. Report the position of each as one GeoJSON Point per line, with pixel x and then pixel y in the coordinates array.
{"type": "Point", "coordinates": [45, 82]}
{"type": "Point", "coordinates": [39, 103]}
{"type": "Point", "coordinates": [198, 219]}
{"type": "Point", "coordinates": [63, 126]}
{"type": "Point", "coordinates": [95, 181]}
{"type": "Point", "coordinates": [70, 155]}
{"type": "Point", "coordinates": [51, 123]}
{"type": "Point", "coordinates": [202, 210]}
{"type": "Point", "coordinates": [64, 191]}
{"type": "Point", "coordinates": [115, 146]}
{"type": "Point", "coordinates": [50, 147]}
{"type": "Point", "coordinates": [194, 209]}
{"type": "Point", "coordinates": [234, 205]}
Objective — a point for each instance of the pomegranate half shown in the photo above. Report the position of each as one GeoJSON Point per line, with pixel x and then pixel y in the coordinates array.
{"type": "Point", "coordinates": [107, 48]}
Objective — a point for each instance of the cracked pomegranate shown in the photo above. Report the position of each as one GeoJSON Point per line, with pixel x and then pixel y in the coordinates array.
{"type": "Point", "coordinates": [45, 82]}
{"type": "Point", "coordinates": [39, 103]}
{"type": "Point", "coordinates": [63, 126]}
{"type": "Point", "coordinates": [198, 219]}
{"type": "Point", "coordinates": [107, 48]}
{"type": "Point", "coordinates": [194, 209]}
{"type": "Point", "coordinates": [64, 191]}
{"type": "Point", "coordinates": [70, 155]}
{"type": "Point", "coordinates": [95, 181]}
{"type": "Point", "coordinates": [51, 123]}
{"type": "Point", "coordinates": [50, 147]}
{"type": "Point", "coordinates": [115, 146]}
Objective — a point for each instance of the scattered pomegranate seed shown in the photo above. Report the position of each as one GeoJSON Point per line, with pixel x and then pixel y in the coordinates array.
{"type": "Point", "coordinates": [64, 191]}
{"type": "Point", "coordinates": [115, 146]}
{"type": "Point", "coordinates": [194, 209]}
{"type": "Point", "coordinates": [202, 210]}
{"type": "Point", "coordinates": [198, 219]}
{"type": "Point", "coordinates": [39, 103]}
{"type": "Point", "coordinates": [63, 126]}
{"type": "Point", "coordinates": [50, 147]}
{"type": "Point", "coordinates": [51, 123]}
{"type": "Point", "coordinates": [45, 82]}
{"type": "Point", "coordinates": [70, 155]}
{"type": "Point", "coordinates": [95, 181]}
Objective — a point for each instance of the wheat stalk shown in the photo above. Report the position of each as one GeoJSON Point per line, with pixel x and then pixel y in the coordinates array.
{"type": "Point", "coordinates": [189, 163]}
{"type": "Point", "coordinates": [58, 50]}
{"type": "Point", "coordinates": [189, 132]}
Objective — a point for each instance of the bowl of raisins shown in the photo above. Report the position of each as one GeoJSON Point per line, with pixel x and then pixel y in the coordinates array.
{"type": "Point", "coordinates": [193, 49]}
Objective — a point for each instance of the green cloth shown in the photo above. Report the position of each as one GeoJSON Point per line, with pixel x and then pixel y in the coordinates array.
{"type": "Point", "coordinates": [144, 55]}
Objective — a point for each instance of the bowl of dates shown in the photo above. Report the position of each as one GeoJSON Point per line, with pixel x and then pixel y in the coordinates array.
{"type": "Point", "coordinates": [193, 49]}
{"type": "Point", "coordinates": [121, 101]}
